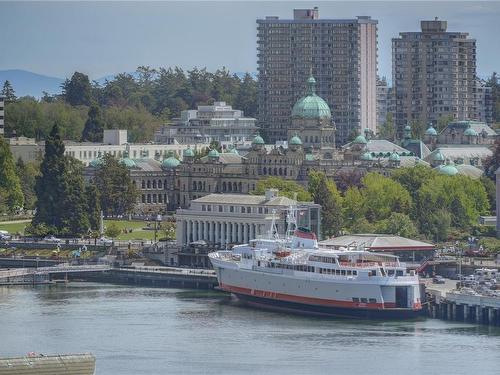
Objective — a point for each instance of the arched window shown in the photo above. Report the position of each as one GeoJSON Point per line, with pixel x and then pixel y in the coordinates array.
{"type": "Point", "coordinates": [143, 184]}
{"type": "Point", "coordinates": [275, 172]}
{"type": "Point", "coordinates": [194, 185]}
{"type": "Point", "coordinates": [154, 184]}
{"type": "Point", "coordinates": [149, 184]}
{"type": "Point", "coordinates": [280, 172]}
{"type": "Point", "coordinates": [240, 187]}
{"type": "Point", "coordinates": [235, 186]}
{"type": "Point", "coordinates": [160, 200]}
{"type": "Point", "coordinates": [199, 186]}
{"type": "Point", "coordinates": [159, 184]}
{"type": "Point", "coordinates": [264, 171]}
{"type": "Point", "coordinates": [224, 186]}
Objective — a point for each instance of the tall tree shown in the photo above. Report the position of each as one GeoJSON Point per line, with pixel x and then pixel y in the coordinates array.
{"type": "Point", "coordinates": [246, 98]}
{"type": "Point", "coordinates": [93, 206]}
{"type": "Point", "coordinates": [27, 173]}
{"type": "Point", "coordinates": [11, 193]}
{"type": "Point", "coordinates": [8, 92]}
{"type": "Point", "coordinates": [117, 192]}
{"type": "Point", "coordinates": [286, 188]}
{"type": "Point", "coordinates": [324, 192]}
{"type": "Point", "coordinates": [94, 126]}
{"type": "Point", "coordinates": [77, 90]}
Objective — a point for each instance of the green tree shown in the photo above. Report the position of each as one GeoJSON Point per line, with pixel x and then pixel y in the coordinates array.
{"type": "Point", "coordinates": [8, 92]}
{"type": "Point", "coordinates": [246, 99]}
{"type": "Point", "coordinates": [353, 208]}
{"type": "Point", "coordinates": [388, 129]}
{"type": "Point", "coordinates": [94, 126]}
{"type": "Point", "coordinates": [439, 225]}
{"type": "Point", "coordinates": [324, 192]}
{"type": "Point", "coordinates": [492, 163]}
{"type": "Point", "coordinates": [27, 173]}
{"type": "Point", "coordinates": [75, 219]}
{"type": "Point", "coordinates": [11, 193]}
{"type": "Point", "coordinates": [398, 224]}
{"type": "Point", "coordinates": [92, 198]}
{"type": "Point", "coordinates": [117, 192]}
{"type": "Point", "coordinates": [286, 188]}
{"type": "Point", "coordinates": [112, 230]}
{"type": "Point", "coordinates": [77, 90]}
{"type": "Point", "coordinates": [384, 196]}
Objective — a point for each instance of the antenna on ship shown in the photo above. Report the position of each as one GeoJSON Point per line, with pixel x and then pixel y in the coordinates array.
{"type": "Point", "coordinates": [273, 231]}
{"type": "Point", "coordinates": [291, 220]}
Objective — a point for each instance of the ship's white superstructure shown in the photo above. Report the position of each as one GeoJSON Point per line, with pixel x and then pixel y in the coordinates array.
{"type": "Point", "coordinates": [295, 274]}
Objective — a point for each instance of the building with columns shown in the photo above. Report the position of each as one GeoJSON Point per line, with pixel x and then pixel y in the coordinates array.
{"type": "Point", "coordinates": [227, 219]}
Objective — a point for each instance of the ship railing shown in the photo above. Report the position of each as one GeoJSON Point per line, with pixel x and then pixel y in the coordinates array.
{"type": "Point", "coordinates": [369, 264]}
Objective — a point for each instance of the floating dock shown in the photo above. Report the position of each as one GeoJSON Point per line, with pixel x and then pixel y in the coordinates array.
{"type": "Point", "coordinates": [37, 364]}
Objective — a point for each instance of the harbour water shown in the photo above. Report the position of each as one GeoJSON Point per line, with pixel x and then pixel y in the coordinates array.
{"type": "Point", "coordinates": [135, 331]}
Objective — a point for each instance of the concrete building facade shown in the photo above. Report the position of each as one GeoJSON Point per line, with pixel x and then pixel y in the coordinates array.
{"type": "Point", "coordinates": [218, 122]}
{"type": "Point", "coordinates": [434, 75]}
{"type": "Point", "coordinates": [340, 54]}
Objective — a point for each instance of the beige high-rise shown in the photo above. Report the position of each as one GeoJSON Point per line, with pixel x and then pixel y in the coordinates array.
{"type": "Point", "coordinates": [434, 75]}
{"type": "Point", "coordinates": [340, 54]}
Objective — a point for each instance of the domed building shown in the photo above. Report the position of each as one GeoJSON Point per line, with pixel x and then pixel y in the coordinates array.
{"type": "Point", "coordinates": [312, 120]}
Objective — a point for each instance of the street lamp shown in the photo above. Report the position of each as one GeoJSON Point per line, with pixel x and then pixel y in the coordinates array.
{"type": "Point", "coordinates": [158, 220]}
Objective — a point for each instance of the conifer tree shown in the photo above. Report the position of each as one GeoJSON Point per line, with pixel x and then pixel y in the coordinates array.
{"type": "Point", "coordinates": [94, 126]}
{"type": "Point", "coordinates": [93, 206]}
{"type": "Point", "coordinates": [11, 194]}
{"type": "Point", "coordinates": [8, 92]}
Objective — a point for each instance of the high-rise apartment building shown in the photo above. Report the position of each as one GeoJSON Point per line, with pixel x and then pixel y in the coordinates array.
{"type": "Point", "coordinates": [484, 102]}
{"type": "Point", "coordinates": [385, 101]}
{"type": "Point", "coordinates": [2, 114]}
{"type": "Point", "coordinates": [434, 75]}
{"type": "Point", "coordinates": [340, 54]}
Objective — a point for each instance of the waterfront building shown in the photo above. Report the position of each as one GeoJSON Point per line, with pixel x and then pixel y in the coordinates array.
{"type": "Point", "coordinates": [434, 75]}
{"type": "Point", "coordinates": [2, 115]}
{"type": "Point", "coordinates": [218, 122]}
{"type": "Point", "coordinates": [340, 53]}
{"type": "Point", "coordinates": [114, 143]}
{"type": "Point", "coordinates": [227, 219]}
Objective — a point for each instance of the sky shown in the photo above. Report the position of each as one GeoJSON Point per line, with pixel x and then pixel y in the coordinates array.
{"type": "Point", "coordinates": [105, 38]}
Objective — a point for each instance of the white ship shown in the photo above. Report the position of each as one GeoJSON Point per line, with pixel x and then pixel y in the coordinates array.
{"type": "Point", "coordinates": [294, 274]}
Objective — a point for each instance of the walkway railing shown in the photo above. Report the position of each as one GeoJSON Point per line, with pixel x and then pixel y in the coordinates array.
{"type": "Point", "coordinates": [49, 270]}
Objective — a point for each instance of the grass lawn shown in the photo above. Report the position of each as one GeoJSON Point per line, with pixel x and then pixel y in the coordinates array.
{"type": "Point", "coordinates": [14, 227]}
{"type": "Point", "coordinates": [138, 233]}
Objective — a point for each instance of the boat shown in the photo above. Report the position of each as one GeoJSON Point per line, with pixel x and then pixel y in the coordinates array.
{"type": "Point", "coordinates": [38, 364]}
{"type": "Point", "coordinates": [294, 274]}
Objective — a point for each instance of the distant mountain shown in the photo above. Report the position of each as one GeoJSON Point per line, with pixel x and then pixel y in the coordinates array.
{"type": "Point", "coordinates": [28, 83]}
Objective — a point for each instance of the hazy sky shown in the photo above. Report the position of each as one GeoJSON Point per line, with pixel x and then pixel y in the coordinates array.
{"type": "Point", "coordinates": [102, 38]}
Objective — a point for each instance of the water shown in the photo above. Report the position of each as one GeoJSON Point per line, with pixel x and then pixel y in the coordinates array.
{"type": "Point", "coordinates": [135, 331]}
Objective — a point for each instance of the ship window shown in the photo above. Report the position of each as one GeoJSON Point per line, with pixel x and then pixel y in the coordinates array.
{"type": "Point", "coordinates": [355, 299]}
{"type": "Point", "coordinates": [343, 272]}
{"type": "Point", "coordinates": [354, 272]}
{"type": "Point", "coordinates": [349, 272]}
{"type": "Point", "coordinates": [399, 273]}
{"type": "Point", "coordinates": [337, 272]}
{"type": "Point", "coordinates": [390, 272]}
{"type": "Point", "coordinates": [373, 300]}
{"type": "Point", "coordinates": [364, 300]}
{"type": "Point", "coordinates": [373, 273]}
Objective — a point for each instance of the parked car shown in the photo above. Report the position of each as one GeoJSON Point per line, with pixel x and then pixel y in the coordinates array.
{"type": "Point", "coordinates": [104, 241]}
{"type": "Point", "coordinates": [438, 280]}
{"type": "Point", "coordinates": [52, 239]}
{"type": "Point", "coordinates": [5, 237]}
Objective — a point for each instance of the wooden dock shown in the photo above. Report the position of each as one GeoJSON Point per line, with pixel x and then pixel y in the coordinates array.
{"type": "Point", "coordinates": [36, 364]}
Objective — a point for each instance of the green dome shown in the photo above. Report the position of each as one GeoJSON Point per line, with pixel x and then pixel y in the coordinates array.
{"type": "Point", "coordinates": [408, 128]}
{"type": "Point", "coordinates": [258, 140]}
{"type": "Point", "coordinates": [170, 163]}
{"type": "Point", "coordinates": [470, 132]}
{"type": "Point", "coordinates": [127, 162]}
{"type": "Point", "coordinates": [213, 153]}
{"type": "Point", "coordinates": [431, 131]}
{"type": "Point", "coordinates": [296, 141]}
{"type": "Point", "coordinates": [448, 170]}
{"type": "Point", "coordinates": [367, 156]}
{"type": "Point", "coordinates": [394, 157]}
{"type": "Point", "coordinates": [96, 163]}
{"type": "Point", "coordinates": [311, 105]}
{"type": "Point", "coordinates": [360, 139]}
{"type": "Point", "coordinates": [188, 152]}
{"type": "Point", "coordinates": [310, 157]}
{"type": "Point", "coordinates": [438, 156]}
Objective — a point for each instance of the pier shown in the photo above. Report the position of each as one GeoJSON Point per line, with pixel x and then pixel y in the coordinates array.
{"type": "Point", "coordinates": [448, 303]}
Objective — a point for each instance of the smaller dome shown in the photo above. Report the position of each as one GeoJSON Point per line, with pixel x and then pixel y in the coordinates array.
{"type": "Point", "coordinates": [438, 156]}
{"type": "Point", "coordinates": [96, 163]}
{"type": "Point", "coordinates": [367, 156]}
{"type": "Point", "coordinates": [431, 131]}
{"type": "Point", "coordinates": [170, 163]}
{"type": "Point", "coordinates": [408, 128]}
{"type": "Point", "coordinates": [470, 132]}
{"type": "Point", "coordinates": [360, 139]}
{"type": "Point", "coordinates": [213, 153]}
{"type": "Point", "coordinates": [127, 162]}
{"type": "Point", "coordinates": [448, 170]}
{"type": "Point", "coordinates": [258, 140]}
{"type": "Point", "coordinates": [296, 141]}
{"type": "Point", "coordinates": [310, 157]}
{"type": "Point", "coordinates": [188, 152]}
{"type": "Point", "coordinates": [394, 157]}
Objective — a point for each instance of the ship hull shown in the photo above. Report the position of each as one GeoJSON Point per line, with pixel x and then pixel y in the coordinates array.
{"type": "Point", "coordinates": [315, 310]}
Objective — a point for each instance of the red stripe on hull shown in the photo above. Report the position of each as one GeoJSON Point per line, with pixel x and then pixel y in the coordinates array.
{"type": "Point", "coordinates": [309, 300]}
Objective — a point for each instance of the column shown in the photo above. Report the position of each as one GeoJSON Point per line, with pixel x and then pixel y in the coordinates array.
{"type": "Point", "coordinates": [466, 312]}
{"type": "Point", "coordinates": [454, 311]}
{"type": "Point", "coordinates": [245, 233]}
{"type": "Point", "coordinates": [222, 233]}
{"type": "Point", "coordinates": [479, 314]}
{"type": "Point", "coordinates": [205, 231]}
{"type": "Point", "coordinates": [242, 229]}
{"type": "Point", "coordinates": [491, 315]}
{"type": "Point", "coordinates": [190, 231]}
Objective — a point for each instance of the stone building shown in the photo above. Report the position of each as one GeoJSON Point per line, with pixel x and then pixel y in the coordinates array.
{"type": "Point", "coordinates": [340, 53]}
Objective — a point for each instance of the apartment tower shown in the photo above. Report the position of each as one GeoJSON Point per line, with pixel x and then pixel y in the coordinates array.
{"type": "Point", "coordinates": [434, 75]}
{"type": "Point", "coordinates": [340, 54]}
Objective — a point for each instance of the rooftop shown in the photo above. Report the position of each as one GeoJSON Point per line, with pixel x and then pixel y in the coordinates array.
{"type": "Point", "coordinates": [246, 199]}
{"type": "Point", "coordinates": [377, 242]}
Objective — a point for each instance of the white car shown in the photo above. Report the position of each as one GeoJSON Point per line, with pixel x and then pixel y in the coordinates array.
{"type": "Point", "coordinates": [5, 236]}
{"type": "Point", "coordinates": [104, 241]}
{"type": "Point", "coordinates": [52, 239]}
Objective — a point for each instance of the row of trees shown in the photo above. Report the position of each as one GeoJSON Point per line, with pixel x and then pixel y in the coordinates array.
{"type": "Point", "coordinates": [139, 102]}
{"type": "Point", "coordinates": [413, 201]}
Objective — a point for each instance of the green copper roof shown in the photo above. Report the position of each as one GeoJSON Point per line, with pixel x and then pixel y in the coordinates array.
{"type": "Point", "coordinates": [431, 131]}
{"type": "Point", "coordinates": [188, 152]}
{"type": "Point", "coordinates": [127, 162]}
{"type": "Point", "coordinates": [470, 132]}
{"type": "Point", "coordinates": [394, 157]}
{"type": "Point", "coordinates": [310, 157]}
{"type": "Point", "coordinates": [438, 156]}
{"type": "Point", "coordinates": [258, 140]}
{"type": "Point", "coordinates": [234, 151]}
{"type": "Point", "coordinates": [367, 156]}
{"type": "Point", "coordinates": [296, 140]}
{"type": "Point", "coordinates": [360, 139]}
{"type": "Point", "coordinates": [448, 170]}
{"type": "Point", "coordinates": [213, 153]}
{"type": "Point", "coordinates": [96, 163]}
{"type": "Point", "coordinates": [170, 163]}
{"type": "Point", "coordinates": [311, 105]}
